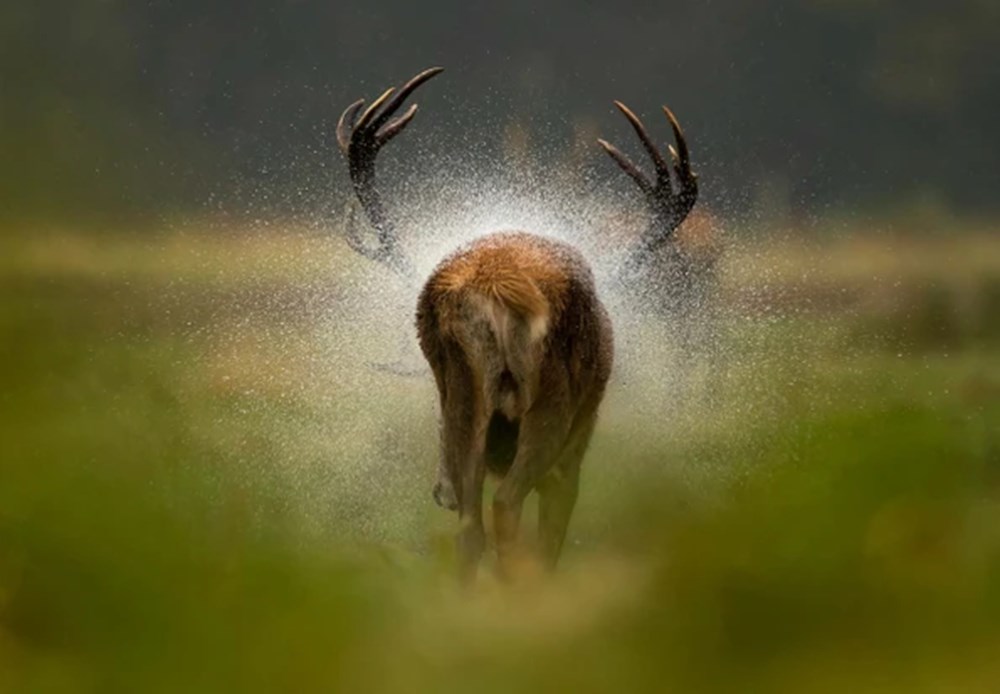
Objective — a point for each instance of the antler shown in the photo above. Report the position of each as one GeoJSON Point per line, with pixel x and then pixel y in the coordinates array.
{"type": "Point", "coordinates": [360, 140]}
{"type": "Point", "coordinates": [668, 203]}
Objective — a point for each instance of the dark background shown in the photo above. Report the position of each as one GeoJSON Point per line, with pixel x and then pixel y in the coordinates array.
{"type": "Point", "coordinates": [113, 107]}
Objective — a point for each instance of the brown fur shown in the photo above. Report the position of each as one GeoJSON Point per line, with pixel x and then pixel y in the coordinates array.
{"type": "Point", "coordinates": [508, 267]}
{"type": "Point", "coordinates": [521, 350]}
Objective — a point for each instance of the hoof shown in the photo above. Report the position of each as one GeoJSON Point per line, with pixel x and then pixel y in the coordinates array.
{"type": "Point", "coordinates": [444, 496]}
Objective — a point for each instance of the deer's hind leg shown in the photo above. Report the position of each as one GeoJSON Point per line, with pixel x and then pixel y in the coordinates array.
{"type": "Point", "coordinates": [543, 435]}
{"type": "Point", "coordinates": [463, 440]}
{"type": "Point", "coordinates": [558, 490]}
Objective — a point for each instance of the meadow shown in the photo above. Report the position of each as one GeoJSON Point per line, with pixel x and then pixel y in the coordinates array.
{"type": "Point", "coordinates": [206, 487]}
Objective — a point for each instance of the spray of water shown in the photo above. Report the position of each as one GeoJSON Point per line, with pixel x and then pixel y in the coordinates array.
{"type": "Point", "coordinates": [355, 444]}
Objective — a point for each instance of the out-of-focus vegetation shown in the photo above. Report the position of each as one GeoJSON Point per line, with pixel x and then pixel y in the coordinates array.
{"type": "Point", "coordinates": [196, 498]}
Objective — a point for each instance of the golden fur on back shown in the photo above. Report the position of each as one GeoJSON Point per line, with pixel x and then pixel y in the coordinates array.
{"type": "Point", "coordinates": [513, 269]}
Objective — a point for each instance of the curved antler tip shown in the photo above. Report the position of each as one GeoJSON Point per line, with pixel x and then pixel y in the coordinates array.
{"type": "Point", "coordinates": [345, 124]}
{"type": "Point", "coordinates": [430, 72]}
{"type": "Point", "coordinates": [671, 117]}
{"type": "Point", "coordinates": [634, 119]}
{"type": "Point", "coordinates": [609, 148]}
{"type": "Point", "coordinates": [352, 107]}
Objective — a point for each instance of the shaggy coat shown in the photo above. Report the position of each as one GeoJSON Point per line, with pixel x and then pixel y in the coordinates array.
{"type": "Point", "coordinates": [521, 349]}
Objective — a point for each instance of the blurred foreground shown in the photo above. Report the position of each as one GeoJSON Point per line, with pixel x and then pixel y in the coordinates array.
{"type": "Point", "coordinates": [205, 489]}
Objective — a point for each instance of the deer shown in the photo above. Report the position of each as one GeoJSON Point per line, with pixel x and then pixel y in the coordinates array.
{"type": "Point", "coordinates": [519, 343]}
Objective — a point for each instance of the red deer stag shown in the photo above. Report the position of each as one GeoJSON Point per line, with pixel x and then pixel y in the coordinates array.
{"type": "Point", "coordinates": [518, 341]}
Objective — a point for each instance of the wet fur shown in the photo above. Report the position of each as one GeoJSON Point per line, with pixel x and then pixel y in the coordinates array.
{"type": "Point", "coordinates": [521, 349]}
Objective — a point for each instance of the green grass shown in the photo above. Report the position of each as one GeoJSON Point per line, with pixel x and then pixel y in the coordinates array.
{"type": "Point", "coordinates": [203, 489]}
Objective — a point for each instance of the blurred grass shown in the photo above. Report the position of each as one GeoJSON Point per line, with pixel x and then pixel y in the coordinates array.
{"type": "Point", "coordinates": [204, 490]}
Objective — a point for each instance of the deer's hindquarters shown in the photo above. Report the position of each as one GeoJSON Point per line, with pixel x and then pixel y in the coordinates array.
{"type": "Point", "coordinates": [521, 350]}
{"type": "Point", "coordinates": [504, 346]}
{"type": "Point", "coordinates": [491, 301]}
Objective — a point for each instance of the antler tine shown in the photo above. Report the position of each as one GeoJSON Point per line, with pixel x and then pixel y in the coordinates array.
{"type": "Point", "coordinates": [647, 141]}
{"type": "Point", "coordinates": [394, 127]}
{"type": "Point", "coordinates": [682, 148]}
{"type": "Point", "coordinates": [403, 93]}
{"type": "Point", "coordinates": [673, 156]}
{"type": "Point", "coordinates": [369, 113]}
{"type": "Point", "coordinates": [345, 126]}
{"type": "Point", "coordinates": [627, 166]}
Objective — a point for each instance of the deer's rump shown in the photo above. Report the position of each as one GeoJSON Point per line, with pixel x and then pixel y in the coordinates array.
{"type": "Point", "coordinates": [506, 325]}
{"type": "Point", "coordinates": [503, 339]}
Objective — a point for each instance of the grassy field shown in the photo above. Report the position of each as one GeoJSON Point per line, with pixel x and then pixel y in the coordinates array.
{"type": "Point", "coordinates": [206, 488]}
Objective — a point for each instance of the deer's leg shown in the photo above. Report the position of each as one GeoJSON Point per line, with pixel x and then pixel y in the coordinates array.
{"type": "Point", "coordinates": [558, 490]}
{"type": "Point", "coordinates": [463, 441]}
{"type": "Point", "coordinates": [472, 536]}
{"type": "Point", "coordinates": [542, 437]}
{"type": "Point", "coordinates": [471, 539]}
